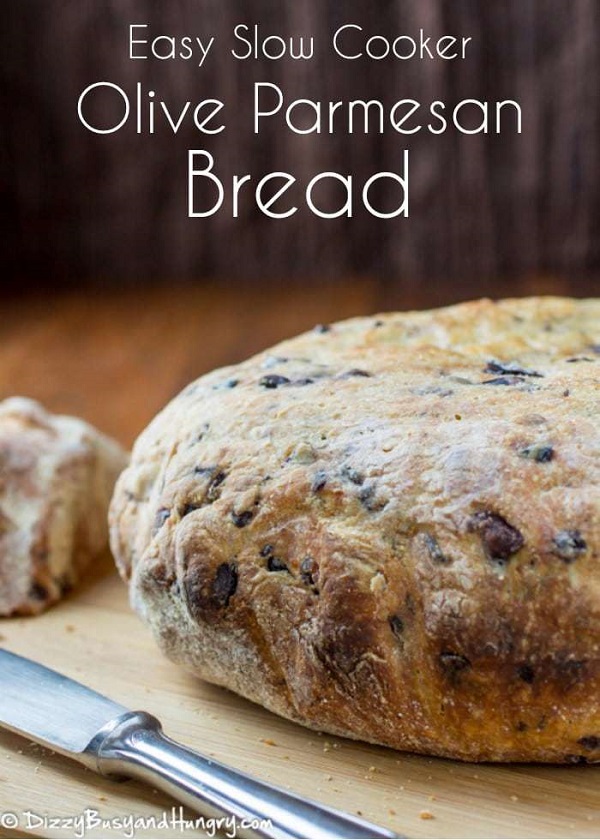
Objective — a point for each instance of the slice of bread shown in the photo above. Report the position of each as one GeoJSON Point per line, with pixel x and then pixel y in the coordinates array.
{"type": "Point", "coordinates": [56, 478]}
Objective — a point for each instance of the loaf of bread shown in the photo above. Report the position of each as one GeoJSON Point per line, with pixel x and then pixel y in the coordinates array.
{"type": "Point", "coordinates": [57, 475]}
{"type": "Point", "coordinates": [388, 529]}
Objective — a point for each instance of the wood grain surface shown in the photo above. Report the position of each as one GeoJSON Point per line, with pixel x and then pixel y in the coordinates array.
{"type": "Point", "coordinates": [77, 205]}
{"type": "Point", "coordinates": [115, 360]}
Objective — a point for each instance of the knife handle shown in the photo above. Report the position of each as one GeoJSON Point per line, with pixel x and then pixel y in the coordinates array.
{"type": "Point", "coordinates": [135, 746]}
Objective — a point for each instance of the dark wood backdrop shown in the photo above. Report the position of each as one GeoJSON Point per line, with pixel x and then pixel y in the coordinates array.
{"type": "Point", "coordinates": [78, 208]}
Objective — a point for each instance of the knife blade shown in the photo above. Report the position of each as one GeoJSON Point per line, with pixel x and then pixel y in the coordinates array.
{"type": "Point", "coordinates": [77, 722]}
{"type": "Point", "coordinates": [36, 701]}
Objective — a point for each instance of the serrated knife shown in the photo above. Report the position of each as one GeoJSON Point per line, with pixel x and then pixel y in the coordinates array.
{"type": "Point", "coordinates": [77, 722]}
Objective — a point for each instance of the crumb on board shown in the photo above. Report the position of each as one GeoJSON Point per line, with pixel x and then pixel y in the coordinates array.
{"type": "Point", "coordinates": [70, 628]}
{"type": "Point", "coordinates": [426, 815]}
{"type": "Point", "coordinates": [268, 741]}
{"type": "Point", "coordinates": [514, 798]}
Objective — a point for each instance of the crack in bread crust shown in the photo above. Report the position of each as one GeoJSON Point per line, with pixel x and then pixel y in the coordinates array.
{"type": "Point", "coordinates": [388, 529]}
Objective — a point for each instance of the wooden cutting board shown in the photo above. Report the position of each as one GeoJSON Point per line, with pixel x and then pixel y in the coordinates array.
{"type": "Point", "coordinates": [93, 637]}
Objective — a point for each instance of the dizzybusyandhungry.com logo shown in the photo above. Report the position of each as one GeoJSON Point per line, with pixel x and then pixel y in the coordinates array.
{"type": "Point", "coordinates": [90, 820]}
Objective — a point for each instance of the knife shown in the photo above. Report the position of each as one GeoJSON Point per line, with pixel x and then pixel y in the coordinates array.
{"type": "Point", "coordinates": [108, 738]}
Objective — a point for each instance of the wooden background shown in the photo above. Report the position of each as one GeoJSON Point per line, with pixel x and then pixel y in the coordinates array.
{"type": "Point", "coordinates": [77, 208]}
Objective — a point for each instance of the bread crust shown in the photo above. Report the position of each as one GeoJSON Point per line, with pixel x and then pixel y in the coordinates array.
{"type": "Point", "coordinates": [57, 475]}
{"type": "Point", "coordinates": [388, 529]}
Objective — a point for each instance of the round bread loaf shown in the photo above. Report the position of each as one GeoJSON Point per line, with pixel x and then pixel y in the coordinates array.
{"type": "Point", "coordinates": [388, 529]}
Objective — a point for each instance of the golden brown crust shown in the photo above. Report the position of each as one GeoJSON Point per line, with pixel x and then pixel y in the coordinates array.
{"type": "Point", "coordinates": [56, 479]}
{"type": "Point", "coordinates": [388, 529]}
